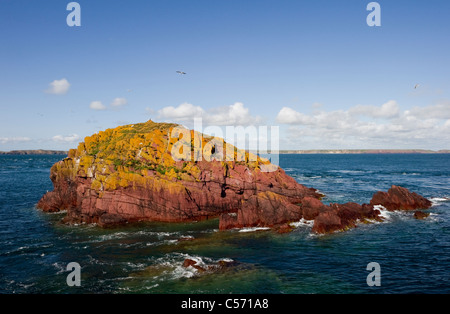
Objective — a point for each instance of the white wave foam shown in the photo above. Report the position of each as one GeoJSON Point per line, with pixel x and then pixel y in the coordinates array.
{"type": "Point", "coordinates": [306, 178]}
{"type": "Point", "coordinates": [302, 223]}
{"type": "Point", "coordinates": [64, 211]}
{"type": "Point", "coordinates": [385, 214]}
{"type": "Point", "coordinates": [253, 229]}
{"type": "Point", "coordinates": [163, 242]}
{"type": "Point", "coordinates": [29, 250]}
{"type": "Point", "coordinates": [160, 234]}
{"type": "Point", "coordinates": [164, 234]}
{"type": "Point", "coordinates": [60, 268]}
{"type": "Point", "coordinates": [136, 265]}
{"type": "Point", "coordinates": [127, 234]}
{"type": "Point", "coordinates": [188, 272]}
{"type": "Point", "coordinates": [389, 216]}
{"type": "Point", "coordinates": [350, 171]}
{"type": "Point", "coordinates": [112, 236]}
{"type": "Point", "coordinates": [435, 201]}
{"type": "Point", "coordinates": [434, 218]}
{"type": "Point", "coordinates": [151, 287]}
{"type": "Point", "coordinates": [176, 270]}
{"type": "Point", "coordinates": [184, 272]}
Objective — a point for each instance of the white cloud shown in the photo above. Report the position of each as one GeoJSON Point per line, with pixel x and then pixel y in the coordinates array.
{"type": "Point", "coordinates": [119, 102]}
{"type": "Point", "coordinates": [8, 140]}
{"type": "Point", "coordinates": [388, 110]}
{"type": "Point", "coordinates": [58, 87]}
{"type": "Point", "coordinates": [115, 104]}
{"type": "Point", "coordinates": [97, 105]}
{"type": "Point", "coordinates": [290, 116]}
{"type": "Point", "coordinates": [66, 139]}
{"type": "Point", "coordinates": [183, 112]}
{"type": "Point", "coordinates": [236, 114]}
{"type": "Point", "coordinates": [440, 110]}
{"type": "Point", "coordinates": [368, 127]}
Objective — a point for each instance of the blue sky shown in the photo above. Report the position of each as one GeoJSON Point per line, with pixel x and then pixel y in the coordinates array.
{"type": "Point", "coordinates": [313, 68]}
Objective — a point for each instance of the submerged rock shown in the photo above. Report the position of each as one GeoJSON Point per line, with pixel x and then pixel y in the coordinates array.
{"type": "Point", "coordinates": [214, 267]}
{"type": "Point", "coordinates": [191, 263]}
{"type": "Point", "coordinates": [284, 228]}
{"type": "Point", "coordinates": [421, 215]}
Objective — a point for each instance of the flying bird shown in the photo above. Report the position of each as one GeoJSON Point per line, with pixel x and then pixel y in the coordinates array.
{"type": "Point", "coordinates": [417, 85]}
{"type": "Point", "coordinates": [180, 72]}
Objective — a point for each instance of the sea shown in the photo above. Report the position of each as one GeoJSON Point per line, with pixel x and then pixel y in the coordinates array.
{"type": "Point", "coordinates": [413, 256]}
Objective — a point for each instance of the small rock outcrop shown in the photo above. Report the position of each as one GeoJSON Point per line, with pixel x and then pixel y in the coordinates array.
{"type": "Point", "coordinates": [214, 267]}
{"type": "Point", "coordinates": [400, 198]}
{"type": "Point", "coordinates": [420, 215]}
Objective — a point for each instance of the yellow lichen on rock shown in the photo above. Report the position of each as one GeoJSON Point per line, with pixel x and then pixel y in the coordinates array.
{"type": "Point", "coordinates": [149, 153]}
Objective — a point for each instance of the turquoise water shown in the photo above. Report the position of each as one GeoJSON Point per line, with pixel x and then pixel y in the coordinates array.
{"type": "Point", "coordinates": [414, 255]}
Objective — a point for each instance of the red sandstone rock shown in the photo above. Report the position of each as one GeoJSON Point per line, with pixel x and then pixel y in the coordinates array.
{"type": "Point", "coordinates": [222, 264]}
{"type": "Point", "coordinates": [311, 207]}
{"type": "Point", "coordinates": [189, 262]}
{"type": "Point", "coordinates": [327, 222]}
{"type": "Point", "coordinates": [266, 209]}
{"type": "Point", "coordinates": [129, 174]}
{"type": "Point", "coordinates": [60, 199]}
{"type": "Point", "coordinates": [118, 185]}
{"type": "Point", "coordinates": [177, 201]}
{"type": "Point", "coordinates": [399, 198]}
{"type": "Point", "coordinates": [284, 228]}
{"type": "Point", "coordinates": [219, 266]}
{"type": "Point", "coordinates": [340, 217]}
{"type": "Point", "coordinates": [110, 220]}
{"type": "Point", "coordinates": [421, 215]}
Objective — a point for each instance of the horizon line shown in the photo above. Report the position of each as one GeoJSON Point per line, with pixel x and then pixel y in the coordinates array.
{"type": "Point", "coordinates": [281, 151]}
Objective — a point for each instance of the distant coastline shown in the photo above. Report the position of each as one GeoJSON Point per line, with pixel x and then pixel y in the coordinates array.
{"type": "Point", "coordinates": [35, 152]}
{"type": "Point", "coordinates": [282, 152]}
{"type": "Point", "coordinates": [365, 151]}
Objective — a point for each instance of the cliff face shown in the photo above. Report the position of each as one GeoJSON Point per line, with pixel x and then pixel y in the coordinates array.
{"type": "Point", "coordinates": [129, 174]}
{"type": "Point", "coordinates": [135, 173]}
